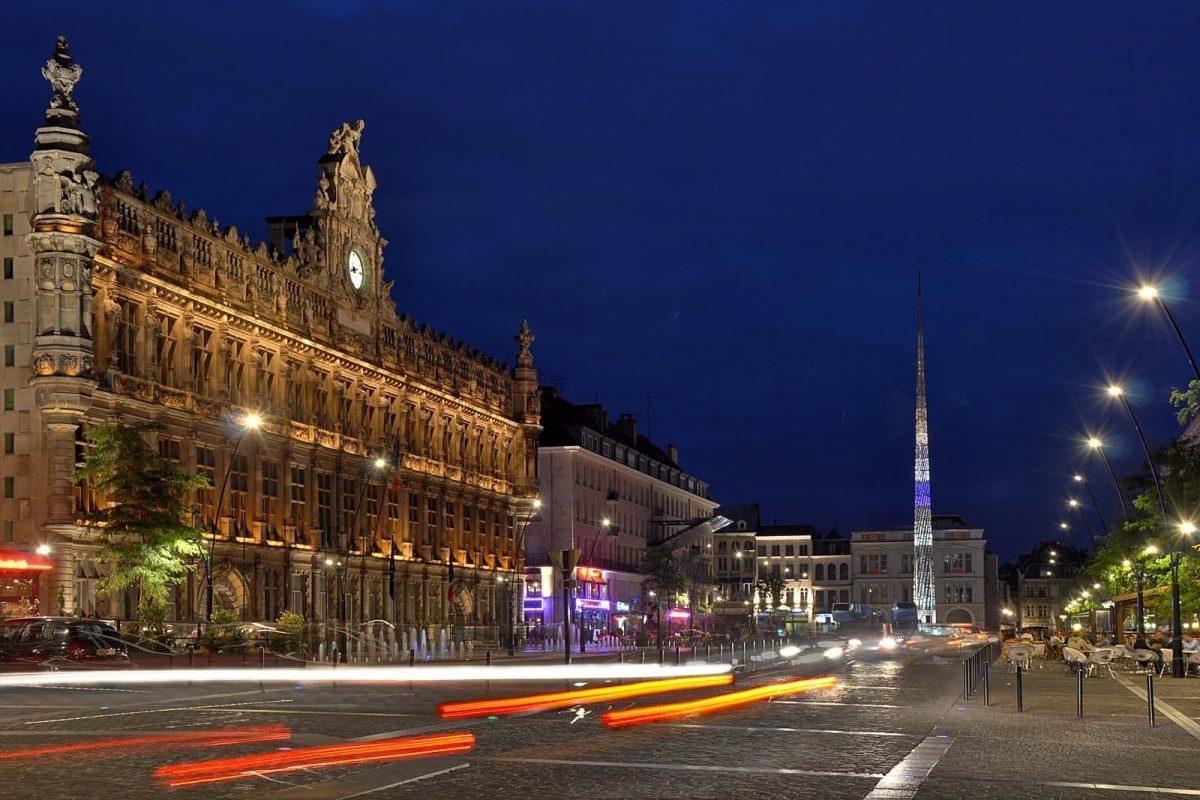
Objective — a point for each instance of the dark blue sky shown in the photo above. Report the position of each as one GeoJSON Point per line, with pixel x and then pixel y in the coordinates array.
{"type": "Point", "coordinates": [721, 206]}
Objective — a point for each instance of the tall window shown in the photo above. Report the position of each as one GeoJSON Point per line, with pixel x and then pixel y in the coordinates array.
{"type": "Point", "coordinates": [468, 518]}
{"type": "Point", "coordinates": [325, 508]}
{"type": "Point", "coordinates": [239, 491]}
{"type": "Point", "coordinates": [201, 357]}
{"type": "Point", "coordinates": [164, 350]}
{"type": "Point", "coordinates": [127, 338]}
{"type": "Point", "coordinates": [270, 497]}
{"type": "Point", "coordinates": [819, 573]}
{"type": "Point", "coordinates": [843, 572]}
{"type": "Point", "coordinates": [414, 515]}
{"type": "Point", "coordinates": [206, 465]}
{"type": "Point", "coordinates": [349, 501]}
{"type": "Point", "coordinates": [299, 495]}
{"type": "Point", "coordinates": [956, 563]}
{"type": "Point", "coordinates": [431, 517]}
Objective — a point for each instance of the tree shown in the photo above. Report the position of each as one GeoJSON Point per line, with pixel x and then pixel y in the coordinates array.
{"type": "Point", "coordinates": [771, 585]}
{"type": "Point", "coordinates": [144, 530]}
{"type": "Point", "coordinates": [659, 565]}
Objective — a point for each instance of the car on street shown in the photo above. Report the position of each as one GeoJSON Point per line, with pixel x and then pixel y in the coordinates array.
{"type": "Point", "coordinates": [57, 642]}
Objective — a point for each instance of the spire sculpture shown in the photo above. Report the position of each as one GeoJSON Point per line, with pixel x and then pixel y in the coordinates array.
{"type": "Point", "coordinates": [923, 590]}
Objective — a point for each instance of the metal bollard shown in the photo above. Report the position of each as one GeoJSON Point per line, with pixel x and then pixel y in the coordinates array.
{"type": "Point", "coordinates": [661, 655]}
{"type": "Point", "coordinates": [412, 657]}
{"type": "Point", "coordinates": [488, 657]}
{"type": "Point", "coordinates": [1150, 696]}
{"type": "Point", "coordinates": [987, 693]}
{"type": "Point", "coordinates": [1020, 691]}
{"type": "Point", "coordinates": [677, 654]}
{"type": "Point", "coordinates": [707, 653]}
{"type": "Point", "coordinates": [1079, 693]}
{"type": "Point", "coordinates": [966, 680]}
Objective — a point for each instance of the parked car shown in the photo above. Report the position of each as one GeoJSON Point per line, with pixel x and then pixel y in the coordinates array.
{"type": "Point", "coordinates": [58, 641]}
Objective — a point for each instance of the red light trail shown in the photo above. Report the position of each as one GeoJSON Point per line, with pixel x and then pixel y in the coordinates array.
{"type": "Point", "coordinates": [707, 705]}
{"type": "Point", "coordinates": [197, 772]}
{"type": "Point", "coordinates": [602, 694]}
{"type": "Point", "coordinates": [266, 733]}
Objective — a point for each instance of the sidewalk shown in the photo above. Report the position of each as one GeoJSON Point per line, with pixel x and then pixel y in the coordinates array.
{"type": "Point", "coordinates": [1112, 749]}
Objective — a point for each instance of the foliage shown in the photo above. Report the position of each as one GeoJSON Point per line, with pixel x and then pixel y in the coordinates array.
{"type": "Point", "coordinates": [771, 585]}
{"type": "Point", "coordinates": [223, 633]}
{"type": "Point", "coordinates": [290, 635]}
{"type": "Point", "coordinates": [1187, 401]}
{"type": "Point", "coordinates": [659, 565]}
{"type": "Point", "coordinates": [144, 532]}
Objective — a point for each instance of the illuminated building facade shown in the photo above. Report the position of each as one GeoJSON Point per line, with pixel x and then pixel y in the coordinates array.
{"type": "Point", "coordinates": [609, 491]}
{"type": "Point", "coordinates": [120, 305]}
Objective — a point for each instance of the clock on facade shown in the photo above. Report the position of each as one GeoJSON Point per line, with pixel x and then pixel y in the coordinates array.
{"type": "Point", "coordinates": [354, 267]}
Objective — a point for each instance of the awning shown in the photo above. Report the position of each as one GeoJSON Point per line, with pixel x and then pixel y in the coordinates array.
{"type": "Point", "coordinates": [21, 561]}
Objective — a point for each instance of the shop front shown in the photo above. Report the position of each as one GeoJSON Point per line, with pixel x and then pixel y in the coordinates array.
{"type": "Point", "coordinates": [21, 583]}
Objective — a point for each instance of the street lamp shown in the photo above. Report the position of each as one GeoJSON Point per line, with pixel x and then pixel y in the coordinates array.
{"type": "Point", "coordinates": [1098, 446]}
{"type": "Point", "coordinates": [249, 422]}
{"type": "Point", "coordinates": [1178, 669]}
{"type": "Point", "coordinates": [1073, 503]}
{"type": "Point", "coordinates": [1150, 294]}
{"type": "Point", "coordinates": [1083, 482]}
{"type": "Point", "coordinates": [534, 507]}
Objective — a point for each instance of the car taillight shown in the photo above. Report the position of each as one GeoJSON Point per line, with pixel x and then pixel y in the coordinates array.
{"type": "Point", "coordinates": [76, 651]}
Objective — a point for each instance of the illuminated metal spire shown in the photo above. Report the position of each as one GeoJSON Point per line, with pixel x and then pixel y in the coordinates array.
{"type": "Point", "coordinates": [923, 588]}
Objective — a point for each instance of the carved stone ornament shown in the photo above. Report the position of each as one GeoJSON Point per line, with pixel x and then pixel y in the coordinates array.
{"type": "Point", "coordinates": [345, 139]}
{"type": "Point", "coordinates": [524, 339]}
{"type": "Point", "coordinates": [63, 74]}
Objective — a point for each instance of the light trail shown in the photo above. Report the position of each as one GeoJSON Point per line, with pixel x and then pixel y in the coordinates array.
{"type": "Point", "coordinates": [381, 675]}
{"type": "Point", "coordinates": [601, 694]}
{"type": "Point", "coordinates": [197, 772]}
{"type": "Point", "coordinates": [216, 738]}
{"type": "Point", "coordinates": [707, 705]}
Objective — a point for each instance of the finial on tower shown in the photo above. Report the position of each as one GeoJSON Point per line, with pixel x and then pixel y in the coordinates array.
{"type": "Point", "coordinates": [524, 339]}
{"type": "Point", "coordinates": [63, 73]}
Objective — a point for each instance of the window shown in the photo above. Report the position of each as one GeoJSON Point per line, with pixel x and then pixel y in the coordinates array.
{"type": "Point", "coordinates": [468, 518]}
{"type": "Point", "coordinates": [958, 563]}
{"type": "Point", "coordinates": [803, 549]}
{"type": "Point", "coordinates": [297, 601]}
{"type": "Point", "coordinates": [774, 549]}
{"type": "Point", "coordinates": [8, 224]}
{"type": "Point", "coordinates": [325, 507]}
{"type": "Point", "coordinates": [10, 443]}
{"type": "Point", "coordinates": [9, 534]}
{"type": "Point", "coordinates": [431, 513]}
{"type": "Point", "coordinates": [906, 561]}
{"type": "Point", "coordinates": [790, 550]}
{"type": "Point", "coordinates": [10, 311]}
{"type": "Point", "coordinates": [762, 549]}
{"type": "Point", "coordinates": [206, 466]}
{"type": "Point", "coordinates": [239, 489]}
{"type": "Point", "coordinates": [820, 572]}
{"type": "Point", "coordinates": [10, 355]}
{"type": "Point", "coordinates": [10, 399]}
{"type": "Point", "coordinates": [10, 487]}
{"type": "Point", "coordinates": [349, 503]}
{"type": "Point", "coordinates": [872, 564]}
{"type": "Point", "coordinates": [8, 268]}
{"type": "Point", "coordinates": [270, 497]}
{"type": "Point", "coordinates": [844, 573]}
{"type": "Point", "coordinates": [299, 494]}
{"type": "Point", "coordinates": [451, 520]}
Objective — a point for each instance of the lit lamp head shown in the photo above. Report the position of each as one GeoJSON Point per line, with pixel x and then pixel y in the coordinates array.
{"type": "Point", "coordinates": [1114, 390]}
{"type": "Point", "coordinates": [537, 502]}
{"type": "Point", "coordinates": [1063, 525]}
{"type": "Point", "coordinates": [380, 463]}
{"type": "Point", "coordinates": [1151, 549]}
{"type": "Point", "coordinates": [251, 421]}
{"type": "Point", "coordinates": [43, 550]}
{"type": "Point", "coordinates": [1148, 292]}
{"type": "Point", "coordinates": [1073, 503]}
{"type": "Point", "coordinates": [1094, 443]}
{"type": "Point", "coordinates": [605, 522]}
{"type": "Point", "coordinates": [329, 562]}
{"type": "Point", "coordinates": [1187, 527]}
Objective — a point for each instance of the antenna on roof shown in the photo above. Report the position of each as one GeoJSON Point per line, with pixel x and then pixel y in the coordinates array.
{"type": "Point", "coordinates": [557, 382]}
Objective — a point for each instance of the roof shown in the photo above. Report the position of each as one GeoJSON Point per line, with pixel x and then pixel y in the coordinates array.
{"type": "Point", "coordinates": [561, 420]}
{"type": "Point", "coordinates": [790, 530]}
{"type": "Point", "coordinates": [746, 512]}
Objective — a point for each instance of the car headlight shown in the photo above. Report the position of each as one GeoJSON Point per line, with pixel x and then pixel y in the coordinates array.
{"type": "Point", "coordinates": [834, 653]}
{"type": "Point", "coordinates": [887, 643]}
{"type": "Point", "coordinates": [789, 651]}
{"type": "Point", "coordinates": [855, 643]}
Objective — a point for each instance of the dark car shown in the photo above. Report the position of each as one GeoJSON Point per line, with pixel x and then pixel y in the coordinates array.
{"type": "Point", "coordinates": [61, 641]}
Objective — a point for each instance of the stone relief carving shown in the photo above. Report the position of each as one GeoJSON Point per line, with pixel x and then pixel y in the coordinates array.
{"type": "Point", "coordinates": [62, 74]}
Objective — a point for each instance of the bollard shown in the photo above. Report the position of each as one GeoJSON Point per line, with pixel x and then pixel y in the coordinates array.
{"type": "Point", "coordinates": [1079, 693]}
{"type": "Point", "coordinates": [677, 654]}
{"type": "Point", "coordinates": [661, 655]}
{"type": "Point", "coordinates": [488, 657]}
{"type": "Point", "coordinates": [966, 680]}
{"type": "Point", "coordinates": [412, 658]}
{"type": "Point", "coordinates": [1020, 691]}
{"type": "Point", "coordinates": [643, 656]}
{"type": "Point", "coordinates": [987, 693]}
{"type": "Point", "coordinates": [1150, 696]}
{"type": "Point", "coordinates": [707, 653]}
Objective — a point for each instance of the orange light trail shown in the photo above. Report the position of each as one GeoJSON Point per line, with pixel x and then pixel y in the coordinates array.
{"type": "Point", "coordinates": [707, 705]}
{"type": "Point", "coordinates": [601, 694]}
{"type": "Point", "coordinates": [266, 733]}
{"type": "Point", "coordinates": [197, 772]}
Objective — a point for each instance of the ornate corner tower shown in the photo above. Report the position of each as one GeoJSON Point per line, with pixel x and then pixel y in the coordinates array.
{"type": "Point", "coordinates": [527, 406]}
{"type": "Point", "coordinates": [63, 246]}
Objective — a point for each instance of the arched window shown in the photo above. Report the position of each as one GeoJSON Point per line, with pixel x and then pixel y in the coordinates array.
{"type": "Point", "coordinates": [844, 572]}
{"type": "Point", "coordinates": [820, 572]}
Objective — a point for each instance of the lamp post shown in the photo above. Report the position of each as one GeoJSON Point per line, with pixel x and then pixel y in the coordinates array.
{"type": "Point", "coordinates": [1070, 534]}
{"type": "Point", "coordinates": [378, 465]}
{"type": "Point", "coordinates": [1083, 482]}
{"type": "Point", "coordinates": [340, 608]}
{"type": "Point", "coordinates": [1151, 294]}
{"type": "Point", "coordinates": [250, 422]}
{"type": "Point", "coordinates": [1073, 503]}
{"type": "Point", "coordinates": [1138, 565]}
{"type": "Point", "coordinates": [511, 625]}
{"type": "Point", "coordinates": [1177, 665]}
{"type": "Point", "coordinates": [1098, 446]}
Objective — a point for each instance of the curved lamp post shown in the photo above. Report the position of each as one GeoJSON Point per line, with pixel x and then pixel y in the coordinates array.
{"type": "Point", "coordinates": [511, 625]}
{"type": "Point", "coordinates": [1073, 503]}
{"type": "Point", "coordinates": [249, 422]}
{"type": "Point", "coordinates": [1150, 294]}
{"type": "Point", "coordinates": [1098, 446]}
{"type": "Point", "coordinates": [1083, 482]}
{"type": "Point", "coordinates": [1177, 665]}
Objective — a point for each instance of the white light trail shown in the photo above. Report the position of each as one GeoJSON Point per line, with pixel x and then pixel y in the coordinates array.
{"type": "Point", "coordinates": [455, 674]}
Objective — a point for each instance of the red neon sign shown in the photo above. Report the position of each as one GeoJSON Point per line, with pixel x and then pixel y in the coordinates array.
{"type": "Point", "coordinates": [16, 560]}
{"type": "Point", "coordinates": [591, 574]}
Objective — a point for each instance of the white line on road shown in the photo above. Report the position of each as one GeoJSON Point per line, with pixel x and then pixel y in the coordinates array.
{"type": "Point", "coordinates": [1174, 714]}
{"type": "Point", "coordinates": [831, 703]}
{"type": "Point", "coordinates": [219, 707]}
{"type": "Point", "coordinates": [904, 779]}
{"type": "Point", "coordinates": [752, 729]}
{"type": "Point", "coordinates": [688, 767]}
{"type": "Point", "coordinates": [424, 777]}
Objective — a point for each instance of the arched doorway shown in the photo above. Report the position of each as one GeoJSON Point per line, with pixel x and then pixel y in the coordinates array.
{"type": "Point", "coordinates": [229, 590]}
{"type": "Point", "coordinates": [959, 616]}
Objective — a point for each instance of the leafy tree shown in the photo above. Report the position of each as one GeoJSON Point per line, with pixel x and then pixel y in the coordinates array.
{"type": "Point", "coordinates": [660, 566]}
{"type": "Point", "coordinates": [1187, 401]}
{"type": "Point", "coordinates": [144, 530]}
{"type": "Point", "coordinates": [771, 585]}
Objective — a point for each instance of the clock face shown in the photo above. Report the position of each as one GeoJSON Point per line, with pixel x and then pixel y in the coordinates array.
{"type": "Point", "coordinates": [354, 267]}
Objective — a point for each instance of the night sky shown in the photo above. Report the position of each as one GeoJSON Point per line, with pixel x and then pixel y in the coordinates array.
{"type": "Point", "coordinates": [717, 210]}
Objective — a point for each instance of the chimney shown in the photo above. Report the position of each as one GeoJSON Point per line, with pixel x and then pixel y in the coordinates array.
{"type": "Point", "coordinates": [673, 453]}
{"type": "Point", "coordinates": [628, 426]}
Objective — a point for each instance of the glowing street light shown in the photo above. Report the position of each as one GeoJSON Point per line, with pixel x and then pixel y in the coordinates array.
{"type": "Point", "coordinates": [1083, 482]}
{"type": "Point", "coordinates": [250, 421]}
{"type": "Point", "coordinates": [1098, 446]}
{"type": "Point", "coordinates": [1073, 503]}
{"type": "Point", "coordinates": [43, 550]}
{"type": "Point", "coordinates": [1150, 294]}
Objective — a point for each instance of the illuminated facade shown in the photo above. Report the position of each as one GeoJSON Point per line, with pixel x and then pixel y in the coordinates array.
{"type": "Point", "coordinates": [122, 306]}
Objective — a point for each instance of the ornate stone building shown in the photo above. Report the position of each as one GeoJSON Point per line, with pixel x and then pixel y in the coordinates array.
{"type": "Point", "coordinates": [390, 459]}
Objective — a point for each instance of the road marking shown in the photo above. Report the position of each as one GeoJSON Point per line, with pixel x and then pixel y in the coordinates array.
{"type": "Point", "coordinates": [1108, 787]}
{"type": "Point", "coordinates": [904, 779]}
{"type": "Point", "coordinates": [688, 767]}
{"type": "Point", "coordinates": [220, 707]}
{"type": "Point", "coordinates": [1174, 714]}
{"type": "Point", "coordinates": [788, 730]}
{"type": "Point", "coordinates": [426, 776]}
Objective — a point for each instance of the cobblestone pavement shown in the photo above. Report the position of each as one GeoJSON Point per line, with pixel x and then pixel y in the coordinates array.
{"type": "Point", "coordinates": [893, 728]}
